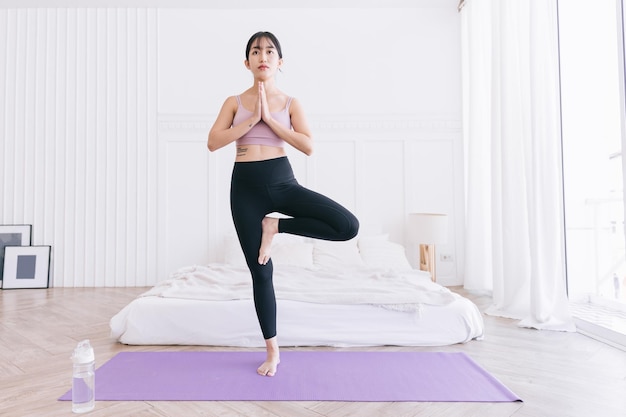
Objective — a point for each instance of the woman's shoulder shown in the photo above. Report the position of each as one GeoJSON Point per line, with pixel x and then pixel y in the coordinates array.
{"type": "Point", "coordinates": [231, 102]}
{"type": "Point", "coordinates": [294, 104]}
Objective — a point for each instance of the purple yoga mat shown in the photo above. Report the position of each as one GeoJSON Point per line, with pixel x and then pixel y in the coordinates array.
{"type": "Point", "coordinates": [301, 376]}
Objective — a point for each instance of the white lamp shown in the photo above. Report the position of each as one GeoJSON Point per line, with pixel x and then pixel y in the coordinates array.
{"type": "Point", "coordinates": [428, 229]}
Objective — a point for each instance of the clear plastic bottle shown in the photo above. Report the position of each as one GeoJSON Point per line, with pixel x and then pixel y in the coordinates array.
{"type": "Point", "coordinates": [84, 378]}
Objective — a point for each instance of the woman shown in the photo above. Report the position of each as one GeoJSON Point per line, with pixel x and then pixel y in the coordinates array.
{"type": "Point", "coordinates": [261, 120]}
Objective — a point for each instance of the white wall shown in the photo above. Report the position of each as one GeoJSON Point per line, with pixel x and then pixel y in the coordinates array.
{"type": "Point", "coordinates": [104, 137]}
{"type": "Point", "coordinates": [78, 152]}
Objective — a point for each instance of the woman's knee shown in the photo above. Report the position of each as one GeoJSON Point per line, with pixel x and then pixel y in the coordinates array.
{"type": "Point", "coordinates": [261, 274]}
{"type": "Point", "coordinates": [353, 228]}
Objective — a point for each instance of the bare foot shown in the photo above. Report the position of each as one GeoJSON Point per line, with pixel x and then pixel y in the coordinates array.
{"type": "Point", "coordinates": [268, 368]}
{"type": "Point", "coordinates": [270, 228]}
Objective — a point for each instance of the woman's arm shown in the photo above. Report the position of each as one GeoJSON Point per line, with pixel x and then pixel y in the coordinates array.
{"type": "Point", "coordinates": [223, 132]}
{"type": "Point", "coordinates": [300, 136]}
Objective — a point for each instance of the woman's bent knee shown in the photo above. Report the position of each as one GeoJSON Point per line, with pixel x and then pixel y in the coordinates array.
{"type": "Point", "coordinates": [352, 228]}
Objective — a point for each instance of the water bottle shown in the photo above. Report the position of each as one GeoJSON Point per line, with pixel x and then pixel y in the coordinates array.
{"type": "Point", "coordinates": [84, 378]}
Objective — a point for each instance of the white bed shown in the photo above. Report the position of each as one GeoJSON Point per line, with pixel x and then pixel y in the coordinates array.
{"type": "Point", "coordinates": [357, 293]}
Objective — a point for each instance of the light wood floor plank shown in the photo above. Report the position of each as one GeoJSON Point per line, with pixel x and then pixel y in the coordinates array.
{"type": "Point", "coordinates": [556, 373]}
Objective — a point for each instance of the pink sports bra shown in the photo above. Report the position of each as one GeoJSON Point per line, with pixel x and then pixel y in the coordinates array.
{"type": "Point", "coordinates": [261, 134]}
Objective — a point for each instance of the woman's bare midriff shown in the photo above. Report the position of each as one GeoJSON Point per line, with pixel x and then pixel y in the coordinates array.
{"type": "Point", "coordinates": [251, 153]}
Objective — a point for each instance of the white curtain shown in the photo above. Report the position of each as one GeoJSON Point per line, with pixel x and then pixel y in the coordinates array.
{"type": "Point", "coordinates": [514, 203]}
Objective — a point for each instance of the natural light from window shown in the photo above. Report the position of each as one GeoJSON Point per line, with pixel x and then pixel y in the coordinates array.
{"type": "Point", "coordinates": [592, 92]}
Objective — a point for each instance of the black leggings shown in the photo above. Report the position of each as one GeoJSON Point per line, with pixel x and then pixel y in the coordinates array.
{"type": "Point", "coordinates": [262, 187]}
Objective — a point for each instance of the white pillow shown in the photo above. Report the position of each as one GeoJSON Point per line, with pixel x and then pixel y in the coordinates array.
{"type": "Point", "coordinates": [336, 255]}
{"type": "Point", "coordinates": [286, 250]}
{"type": "Point", "coordinates": [296, 254]}
{"type": "Point", "coordinates": [378, 252]}
{"type": "Point", "coordinates": [286, 238]}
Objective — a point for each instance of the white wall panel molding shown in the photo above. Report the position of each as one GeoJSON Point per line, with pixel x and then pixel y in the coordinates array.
{"type": "Point", "coordinates": [184, 126]}
{"type": "Point", "coordinates": [380, 167]}
{"type": "Point", "coordinates": [383, 124]}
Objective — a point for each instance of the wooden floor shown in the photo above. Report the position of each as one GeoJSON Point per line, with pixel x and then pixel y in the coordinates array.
{"type": "Point", "coordinates": [557, 374]}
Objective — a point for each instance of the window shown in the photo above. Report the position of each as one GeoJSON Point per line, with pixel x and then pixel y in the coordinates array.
{"type": "Point", "coordinates": [592, 97]}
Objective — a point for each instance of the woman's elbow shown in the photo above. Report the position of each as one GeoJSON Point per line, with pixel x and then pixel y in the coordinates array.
{"type": "Point", "coordinates": [308, 148]}
{"type": "Point", "coordinates": [211, 145]}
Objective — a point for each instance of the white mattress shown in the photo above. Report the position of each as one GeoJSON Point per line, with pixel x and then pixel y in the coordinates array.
{"type": "Point", "coordinates": [189, 310]}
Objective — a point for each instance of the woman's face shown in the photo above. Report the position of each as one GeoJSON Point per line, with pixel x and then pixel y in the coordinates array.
{"type": "Point", "coordinates": [263, 59]}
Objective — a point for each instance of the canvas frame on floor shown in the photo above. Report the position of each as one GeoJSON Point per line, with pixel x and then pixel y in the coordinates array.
{"type": "Point", "coordinates": [26, 267]}
{"type": "Point", "coordinates": [13, 235]}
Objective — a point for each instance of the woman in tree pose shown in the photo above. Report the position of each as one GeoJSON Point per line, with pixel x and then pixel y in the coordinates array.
{"type": "Point", "coordinates": [261, 120]}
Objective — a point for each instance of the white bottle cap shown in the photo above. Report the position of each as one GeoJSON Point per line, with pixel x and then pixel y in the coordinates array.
{"type": "Point", "coordinates": [83, 353]}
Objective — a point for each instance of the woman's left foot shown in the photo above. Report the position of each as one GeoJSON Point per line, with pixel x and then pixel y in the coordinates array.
{"type": "Point", "coordinates": [270, 228]}
{"type": "Point", "coordinates": [268, 368]}
{"type": "Point", "coordinates": [272, 358]}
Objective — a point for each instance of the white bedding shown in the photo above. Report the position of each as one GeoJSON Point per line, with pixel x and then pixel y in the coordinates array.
{"type": "Point", "coordinates": [222, 282]}
{"type": "Point", "coordinates": [357, 293]}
